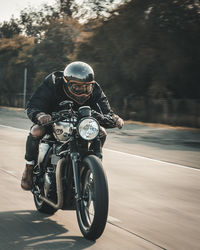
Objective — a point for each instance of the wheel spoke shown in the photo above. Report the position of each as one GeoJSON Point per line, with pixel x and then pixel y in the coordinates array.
{"type": "Point", "coordinates": [89, 206]}
{"type": "Point", "coordinates": [88, 214]}
{"type": "Point", "coordinates": [88, 197]}
{"type": "Point", "coordinates": [91, 217]}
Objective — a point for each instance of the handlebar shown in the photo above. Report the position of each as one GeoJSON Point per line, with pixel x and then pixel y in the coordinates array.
{"type": "Point", "coordinates": [107, 120]}
{"type": "Point", "coordinates": [59, 116]}
{"type": "Point", "coordinates": [47, 124]}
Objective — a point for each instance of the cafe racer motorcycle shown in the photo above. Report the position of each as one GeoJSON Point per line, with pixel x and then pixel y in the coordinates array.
{"type": "Point", "coordinates": [69, 174]}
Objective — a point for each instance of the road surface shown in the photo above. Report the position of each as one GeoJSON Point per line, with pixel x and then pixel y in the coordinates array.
{"type": "Point", "coordinates": [154, 188]}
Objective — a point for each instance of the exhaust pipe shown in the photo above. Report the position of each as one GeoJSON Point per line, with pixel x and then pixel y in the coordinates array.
{"type": "Point", "coordinates": [59, 187]}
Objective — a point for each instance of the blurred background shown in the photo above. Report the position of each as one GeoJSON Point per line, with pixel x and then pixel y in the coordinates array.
{"type": "Point", "coordinates": [145, 54]}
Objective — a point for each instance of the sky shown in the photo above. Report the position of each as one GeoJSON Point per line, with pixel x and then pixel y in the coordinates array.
{"type": "Point", "coordinates": [13, 7]}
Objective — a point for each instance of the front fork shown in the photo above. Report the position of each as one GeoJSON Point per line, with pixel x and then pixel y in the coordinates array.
{"type": "Point", "coordinates": [75, 158]}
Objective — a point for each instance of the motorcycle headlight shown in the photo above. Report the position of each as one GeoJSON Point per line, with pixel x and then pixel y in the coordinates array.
{"type": "Point", "coordinates": [88, 129]}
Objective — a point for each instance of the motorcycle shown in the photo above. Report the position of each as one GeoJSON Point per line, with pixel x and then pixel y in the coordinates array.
{"type": "Point", "coordinates": [69, 174]}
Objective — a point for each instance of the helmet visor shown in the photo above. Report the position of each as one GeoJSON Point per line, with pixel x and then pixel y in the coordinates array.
{"type": "Point", "coordinates": [81, 88]}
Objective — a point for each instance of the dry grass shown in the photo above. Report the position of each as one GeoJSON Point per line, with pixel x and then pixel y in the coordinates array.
{"type": "Point", "coordinates": [160, 125]}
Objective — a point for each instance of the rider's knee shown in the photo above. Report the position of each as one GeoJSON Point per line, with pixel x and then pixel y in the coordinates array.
{"type": "Point", "coordinates": [37, 131]}
{"type": "Point", "coordinates": [103, 132]}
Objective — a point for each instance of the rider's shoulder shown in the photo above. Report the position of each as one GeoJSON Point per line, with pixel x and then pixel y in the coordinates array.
{"type": "Point", "coordinates": [54, 77]}
{"type": "Point", "coordinates": [97, 86]}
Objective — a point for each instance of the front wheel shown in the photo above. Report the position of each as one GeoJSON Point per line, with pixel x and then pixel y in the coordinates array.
{"type": "Point", "coordinates": [92, 208]}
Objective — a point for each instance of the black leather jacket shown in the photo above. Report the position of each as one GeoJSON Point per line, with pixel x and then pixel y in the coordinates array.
{"type": "Point", "coordinates": [50, 93]}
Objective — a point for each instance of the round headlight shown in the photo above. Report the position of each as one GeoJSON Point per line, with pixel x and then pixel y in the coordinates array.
{"type": "Point", "coordinates": [88, 129]}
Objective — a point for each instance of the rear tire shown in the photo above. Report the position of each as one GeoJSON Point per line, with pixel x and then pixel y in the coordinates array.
{"type": "Point", "coordinates": [42, 206]}
{"type": "Point", "coordinates": [92, 209]}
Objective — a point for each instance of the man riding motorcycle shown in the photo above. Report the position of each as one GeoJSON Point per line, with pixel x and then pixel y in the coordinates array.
{"type": "Point", "coordinates": [76, 83]}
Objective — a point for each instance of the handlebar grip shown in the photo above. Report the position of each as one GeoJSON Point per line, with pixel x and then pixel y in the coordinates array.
{"type": "Point", "coordinates": [46, 124]}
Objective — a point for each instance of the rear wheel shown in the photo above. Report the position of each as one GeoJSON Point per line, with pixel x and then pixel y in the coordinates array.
{"type": "Point", "coordinates": [41, 205]}
{"type": "Point", "coordinates": [92, 209]}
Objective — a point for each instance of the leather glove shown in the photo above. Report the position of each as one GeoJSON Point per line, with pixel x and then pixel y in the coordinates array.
{"type": "Point", "coordinates": [43, 118]}
{"type": "Point", "coordinates": [118, 121]}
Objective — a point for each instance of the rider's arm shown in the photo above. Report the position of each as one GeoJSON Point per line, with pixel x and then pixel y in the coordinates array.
{"type": "Point", "coordinates": [41, 101]}
{"type": "Point", "coordinates": [102, 110]}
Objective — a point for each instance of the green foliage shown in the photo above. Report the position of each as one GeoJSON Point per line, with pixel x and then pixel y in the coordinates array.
{"type": "Point", "coordinates": [9, 29]}
{"type": "Point", "coordinates": [34, 23]}
{"type": "Point", "coordinates": [148, 49]}
{"type": "Point", "coordinates": [141, 49]}
{"type": "Point", "coordinates": [67, 7]}
{"type": "Point", "coordinates": [56, 48]}
{"type": "Point", "coordinates": [14, 56]}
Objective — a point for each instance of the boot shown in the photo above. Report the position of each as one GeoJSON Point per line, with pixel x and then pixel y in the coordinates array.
{"type": "Point", "coordinates": [26, 182]}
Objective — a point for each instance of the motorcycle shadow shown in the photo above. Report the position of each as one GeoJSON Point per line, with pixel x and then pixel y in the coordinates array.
{"type": "Point", "coordinates": [28, 229]}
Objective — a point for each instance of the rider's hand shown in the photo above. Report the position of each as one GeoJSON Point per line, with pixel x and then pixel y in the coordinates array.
{"type": "Point", "coordinates": [119, 121]}
{"type": "Point", "coordinates": [44, 118]}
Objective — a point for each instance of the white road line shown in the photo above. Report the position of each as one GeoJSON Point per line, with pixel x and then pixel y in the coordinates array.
{"type": "Point", "coordinates": [147, 158]}
{"type": "Point", "coordinates": [112, 219]}
{"type": "Point", "coordinates": [123, 153]}
{"type": "Point", "coordinates": [12, 173]}
{"type": "Point", "coordinates": [19, 129]}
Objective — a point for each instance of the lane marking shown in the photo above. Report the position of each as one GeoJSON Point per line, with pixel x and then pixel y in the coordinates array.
{"type": "Point", "coordinates": [12, 173]}
{"type": "Point", "coordinates": [123, 153]}
{"type": "Point", "coordinates": [137, 235]}
{"type": "Point", "coordinates": [111, 219]}
{"type": "Point", "coordinates": [151, 159]}
{"type": "Point", "coordinates": [19, 129]}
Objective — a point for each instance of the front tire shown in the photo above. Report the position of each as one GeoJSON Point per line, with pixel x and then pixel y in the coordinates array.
{"type": "Point", "coordinates": [92, 209]}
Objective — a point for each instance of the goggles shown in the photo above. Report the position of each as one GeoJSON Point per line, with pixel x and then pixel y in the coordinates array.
{"type": "Point", "coordinates": [80, 88]}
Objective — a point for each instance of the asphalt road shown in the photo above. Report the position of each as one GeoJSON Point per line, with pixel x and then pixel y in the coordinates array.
{"type": "Point", "coordinates": [154, 187]}
{"type": "Point", "coordinates": [170, 144]}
